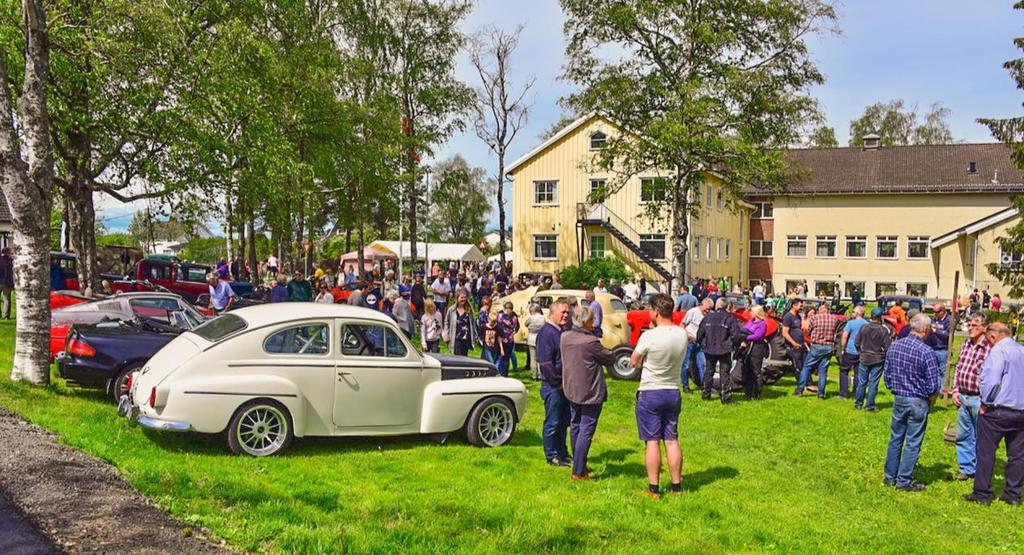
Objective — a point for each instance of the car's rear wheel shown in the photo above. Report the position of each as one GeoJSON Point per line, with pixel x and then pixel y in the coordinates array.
{"type": "Point", "coordinates": [260, 428]}
{"type": "Point", "coordinates": [622, 368]}
{"type": "Point", "coordinates": [492, 423]}
{"type": "Point", "coordinates": [119, 385]}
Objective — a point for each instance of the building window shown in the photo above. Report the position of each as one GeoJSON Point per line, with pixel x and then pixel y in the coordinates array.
{"type": "Point", "coordinates": [917, 247]}
{"type": "Point", "coordinates": [545, 247]}
{"type": "Point", "coordinates": [824, 289]}
{"type": "Point", "coordinates": [597, 187]}
{"type": "Point", "coordinates": [696, 248]}
{"type": "Point", "coordinates": [796, 245]}
{"type": "Point", "coordinates": [728, 249]}
{"type": "Point", "coordinates": [720, 199]}
{"type": "Point", "coordinates": [825, 246]}
{"type": "Point", "coordinates": [545, 192]}
{"type": "Point", "coordinates": [653, 189]}
{"type": "Point", "coordinates": [855, 286]}
{"type": "Point", "coordinates": [718, 249]}
{"type": "Point", "coordinates": [791, 285]}
{"type": "Point", "coordinates": [597, 140]}
{"type": "Point", "coordinates": [1008, 260]}
{"type": "Point", "coordinates": [763, 211]}
{"type": "Point", "coordinates": [708, 251]}
{"type": "Point", "coordinates": [766, 284]}
{"type": "Point", "coordinates": [856, 246]}
{"type": "Point", "coordinates": [760, 249]}
{"type": "Point", "coordinates": [597, 246]}
{"type": "Point", "coordinates": [711, 195]}
{"type": "Point", "coordinates": [653, 245]}
{"type": "Point", "coordinates": [886, 247]}
{"type": "Point", "coordinates": [917, 289]}
{"type": "Point", "coordinates": [885, 288]}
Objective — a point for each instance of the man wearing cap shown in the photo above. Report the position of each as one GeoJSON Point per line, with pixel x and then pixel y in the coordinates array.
{"type": "Point", "coordinates": [941, 323]}
{"type": "Point", "coordinates": [1001, 416]}
{"type": "Point", "coordinates": [871, 343]}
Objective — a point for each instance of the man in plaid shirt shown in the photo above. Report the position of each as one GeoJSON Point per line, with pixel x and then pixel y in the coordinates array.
{"type": "Point", "coordinates": [967, 394]}
{"type": "Point", "coordinates": [823, 332]}
{"type": "Point", "coordinates": [912, 374]}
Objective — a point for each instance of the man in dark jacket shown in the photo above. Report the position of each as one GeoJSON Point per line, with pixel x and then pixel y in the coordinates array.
{"type": "Point", "coordinates": [872, 342]}
{"type": "Point", "coordinates": [583, 362]}
{"type": "Point", "coordinates": [6, 281]}
{"type": "Point", "coordinates": [718, 335]}
{"type": "Point", "coordinates": [418, 295]}
{"type": "Point", "coordinates": [556, 406]}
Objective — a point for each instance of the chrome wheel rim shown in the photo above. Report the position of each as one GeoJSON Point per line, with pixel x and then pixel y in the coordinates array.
{"type": "Point", "coordinates": [496, 423]}
{"type": "Point", "coordinates": [623, 366]}
{"type": "Point", "coordinates": [121, 387]}
{"type": "Point", "coordinates": [262, 430]}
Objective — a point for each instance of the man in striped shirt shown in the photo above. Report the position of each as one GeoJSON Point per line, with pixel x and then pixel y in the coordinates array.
{"type": "Point", "coordinates": [912, 374]}
{"type": "Point", "coordinates": [966, 394]}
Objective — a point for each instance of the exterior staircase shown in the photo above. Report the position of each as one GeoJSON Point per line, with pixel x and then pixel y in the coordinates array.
{"type": "Point", "coordinates": [599, 215]}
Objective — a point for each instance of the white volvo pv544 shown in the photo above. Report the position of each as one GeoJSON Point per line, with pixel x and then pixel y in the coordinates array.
{"type": "Point", "coordinates": [265, 374]}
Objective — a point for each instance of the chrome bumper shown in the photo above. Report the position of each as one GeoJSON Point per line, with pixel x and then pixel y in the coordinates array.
{"type": "Point", "coordinates": [126, 409]}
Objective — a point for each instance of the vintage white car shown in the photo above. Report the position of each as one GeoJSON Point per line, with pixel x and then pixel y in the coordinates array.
{"type": "Point", "coordinates": [268, 373]}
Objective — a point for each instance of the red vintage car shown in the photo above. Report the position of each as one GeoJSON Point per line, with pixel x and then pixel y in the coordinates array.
{"type": "Point", "coordinates": [61, 299]}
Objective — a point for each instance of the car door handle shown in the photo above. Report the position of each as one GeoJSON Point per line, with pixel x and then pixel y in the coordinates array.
{"type": "Point", "coordinates": [343, 374]}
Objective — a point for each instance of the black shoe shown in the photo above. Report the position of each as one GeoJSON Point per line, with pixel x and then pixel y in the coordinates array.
{"type": "Point", "coordinates": [912, 487]}
{"type": "Point", "coordinates": [705, 396]}
{"type": "Point", "coordinates": [889, 483]}
{"type": "Point", "coordinates": [857, 407]}
{"type": "Point", "coordinates": [1009, 501]}
{"type": "Point", "coordinates": [978, 498]}
{"type": "Point", "coordinates": [728, 401]}
{"type": "Point", "coordinates": [961, 477]}
{"type": "Point", "coordinates": [558, 461]}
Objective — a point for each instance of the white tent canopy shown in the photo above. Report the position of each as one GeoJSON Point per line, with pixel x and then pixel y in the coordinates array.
{"type": "Point", "coordinates": [433, 251]}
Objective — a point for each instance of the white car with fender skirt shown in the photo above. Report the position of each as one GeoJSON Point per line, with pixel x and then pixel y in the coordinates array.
{"type": "Point", "coordinates": [263, 375]}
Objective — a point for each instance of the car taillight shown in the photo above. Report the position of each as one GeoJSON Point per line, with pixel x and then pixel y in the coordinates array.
{"type": "Point", "coordinates": [81, 348]}
{"type": "Point", "coordinates": [152, 397]}
{"type": "Point", "coordinates": [128, 383]}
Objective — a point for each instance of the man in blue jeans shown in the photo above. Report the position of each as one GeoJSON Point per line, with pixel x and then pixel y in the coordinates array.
{"type": "Point", "coordinates": [822, 329]}
{"type": "Point", "coordinates": [967, 395]}
{"type": "Point", "coordinates": [556, 405]}
{"type": "Point", "coordinates": [912, 373]}
{"type": "Point", "coordinates": [872, 342]}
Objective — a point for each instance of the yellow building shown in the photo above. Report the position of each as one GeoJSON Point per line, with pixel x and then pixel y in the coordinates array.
{"type": "Point", "coordinates": [554, 225]}
{"type": "Point", "coordinates": [887, 220]}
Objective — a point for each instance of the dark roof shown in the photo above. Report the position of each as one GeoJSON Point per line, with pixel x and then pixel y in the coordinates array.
{"type": "Point", "coordinates": [904, 169]}
{"type": "Point", "coordinates": [5, 210]}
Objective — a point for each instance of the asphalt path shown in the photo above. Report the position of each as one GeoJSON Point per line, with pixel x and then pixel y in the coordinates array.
{"type": "Point", "coordinates": [18, 536]}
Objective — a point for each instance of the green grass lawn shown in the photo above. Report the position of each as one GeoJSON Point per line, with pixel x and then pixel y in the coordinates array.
{"type": "Point", "coordinates": [784, 474]}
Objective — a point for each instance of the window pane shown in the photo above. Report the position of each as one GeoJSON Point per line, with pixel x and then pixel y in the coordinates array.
{"type": "Point", "coordinates": [220, 327]}
{"type": "Point", "coordinates": [545, 246]}
{"type": "Point", "coordinates": [368, 340]}
{"type": "Point", "coordinates": [597, 246]}
{"type": "Point", "coordinates": [653, 245]}
{"type": "Point", "coordinates": [917, 247]}
{"type": "Point", "coordinates": [300, 340]}
{"type": "Point", "coordinates": [696, 248]}
{"type": "Point", "coordinates": [824, 288]}
{"type": "Point", "coordinates": [796, 245]}
{"type": "Point", "coordinates": [854, 286]}
{"type": "Point", "coordinates": [766, 248]}
{"type": "Point", "coordinates": [767, 210]}
{"type": "Point", "coordinates": [885, 288]}
{"type": "Point", "coordinates": [598, 140]}
{"type": "Point", "coordinates": [856, 247]}
{"type": "Point", "coordinates": [791, 285]}
{"type": "Point", "coordinates": [917, 289]}
{"type": "Point", "coordinates": [755, 248]}
{"type": "Point", "coordinates": [886, 247]}
{"type": "Point", "coordinates": [825, 246]}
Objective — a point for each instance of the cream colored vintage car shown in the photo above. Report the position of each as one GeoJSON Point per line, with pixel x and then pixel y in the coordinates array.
{"type": "Point", "coordinates": [268, 373]}
{"type": "Point", "coordinates": [614, 327]}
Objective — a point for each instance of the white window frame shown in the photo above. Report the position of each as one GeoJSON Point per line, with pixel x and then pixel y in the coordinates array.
{"type": "Point", "coordinates": [600, 181]}
{"type": "Point", "coordinates": [728, 249]}
{"type": "Point", "coordinates": [696, 249]}
{"type": "Point", "coordinates": [553, 239]}
{"type": "Point", "coordinates": [907, 286]}
{"type": "Point", "coordinates": [795, 239]}
{"type": "Point", "coordinates": [720, 199]}
{"type": "Point", "coordinates": [708, 247]}
{"type": "Point", "coordinates": [718, 249]}
{"type": "Point", "coordinates": [759, 210]}
{"type": "Point", "coordinates": [760, 248]}
{"type": "Point", "coordinates": [918, 240]}
{"type": "Point", "coordinates": [850, 239]}
{"type": "Point", "coordinates": [879, 239]}
{"type": "Point", "coordinates": [604, 245]}
{"type": "Point", "coordinates": [554, 192]}
{"type": "Point", "coordinates": [603, 138]}
{"type": "Point", "coordinates": [711, 195]}
{"type": "Point", "coordinates": [826, 239]}
{"type": "Point", "coordinates": [651, 237]}
{"type": "Point", "coordinates": [895, 288]}
{"type": "Point", "coordinates": [641, 191]}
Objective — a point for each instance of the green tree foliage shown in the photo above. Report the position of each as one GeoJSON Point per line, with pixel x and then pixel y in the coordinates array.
{"type": "Point", "coordinates": [587, 274]}
{"type": "Point", "coordinates": [459, 202]}
{"type": "Point", "coordinates": [898, 124]}
{"type": "Point", "coordinates": [823, 137]}
{"type": "Point", "coordinates": [696, 86]}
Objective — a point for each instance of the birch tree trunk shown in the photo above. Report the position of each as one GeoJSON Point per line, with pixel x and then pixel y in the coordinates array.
{"type": "Point", "coordinates": [680, 232]}
{"type": "Point", "coordinates": [27, 183]}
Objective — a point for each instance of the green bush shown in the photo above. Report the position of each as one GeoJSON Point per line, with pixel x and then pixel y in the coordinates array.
{"type": "Point", "coordinates": [575, 277]}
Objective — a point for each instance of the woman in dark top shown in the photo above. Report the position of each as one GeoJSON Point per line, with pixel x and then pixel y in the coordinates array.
{"type": "Point", "coordinates": [461, 331]}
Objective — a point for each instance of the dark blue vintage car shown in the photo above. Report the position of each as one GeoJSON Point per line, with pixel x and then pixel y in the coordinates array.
{"type": "Point", "coordinates": [103, 355]}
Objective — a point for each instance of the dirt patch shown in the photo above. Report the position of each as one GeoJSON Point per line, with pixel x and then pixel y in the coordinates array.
{"type": "Point", "coordinates": [82, 504]}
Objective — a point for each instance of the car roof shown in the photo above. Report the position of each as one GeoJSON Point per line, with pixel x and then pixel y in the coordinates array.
{"type": "Point", "coordinates": [270, 313]}
{"type": "Point", "coordinates": [572, 293]}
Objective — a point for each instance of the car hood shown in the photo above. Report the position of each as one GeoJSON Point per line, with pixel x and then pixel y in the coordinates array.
{"type": "Point", "coordinates": [454, 367]}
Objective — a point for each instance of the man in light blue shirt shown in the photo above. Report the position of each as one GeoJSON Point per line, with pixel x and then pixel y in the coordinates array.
{"type": "Point", "coordinates": [850, 358]}
{"type": "Point", "coordinates": [686, 300]}
{"type": "Point", "coordinates": [221, 295]}
{"type": "Point", "coordinates": [595, 306]}
{"type": "Point", "coordinates": [1001, 416]}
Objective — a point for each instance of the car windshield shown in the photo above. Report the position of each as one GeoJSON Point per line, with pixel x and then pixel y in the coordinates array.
{"type": "Point", "coordinates": [220, 327]}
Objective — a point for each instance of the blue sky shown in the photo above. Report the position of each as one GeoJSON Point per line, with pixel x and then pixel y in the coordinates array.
{"type": "Point", "coordinates": [921, 51]}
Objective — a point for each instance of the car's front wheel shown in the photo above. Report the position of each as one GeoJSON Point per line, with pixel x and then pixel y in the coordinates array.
{"type": "Point", "coordinates": [622, 368]}
{"type": "Point", "coordinates": [260, 428]}
{"type": "Point", "coordinates": [119, 385]}
{"type": "Point", "coordinates": [492, 423]}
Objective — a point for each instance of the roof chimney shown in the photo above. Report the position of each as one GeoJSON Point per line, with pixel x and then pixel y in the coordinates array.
{"type": "Point", "coordinates": [871, 141]}
{"type": "Point", "coordinates": [995, 178]}
{"type": "Point", "coordinates": [972, 167]}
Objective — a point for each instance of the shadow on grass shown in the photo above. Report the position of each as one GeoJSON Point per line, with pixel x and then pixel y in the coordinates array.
{"type": "Point", "coordinates": [938, 472]}
{"type": "Point", "coordinates": [695, 481]}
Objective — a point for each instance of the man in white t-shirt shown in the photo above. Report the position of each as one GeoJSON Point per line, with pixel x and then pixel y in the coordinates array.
{"type": "Point", "coordinates": [758, 293]}
{"type": "Point", "coordinates": [659, 355]}
{"type": "Point", "coordinates": [694, 362]}
{"type": "Point", "coordinates": [442, 290]}
{"type": "Point", "coordinates": [272, 265]}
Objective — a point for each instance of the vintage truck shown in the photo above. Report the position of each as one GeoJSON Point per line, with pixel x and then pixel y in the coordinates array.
{"type": "Point", "coordinates": [187, 279]}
